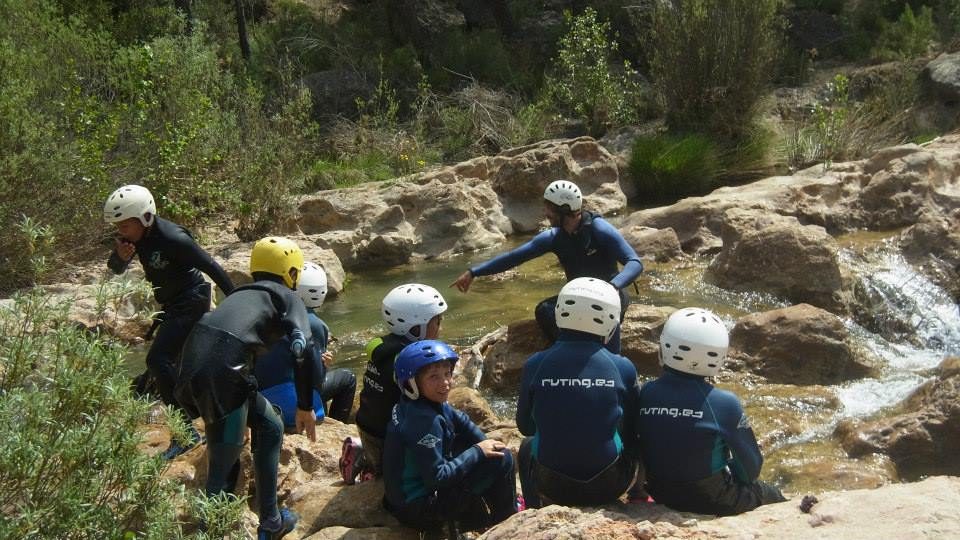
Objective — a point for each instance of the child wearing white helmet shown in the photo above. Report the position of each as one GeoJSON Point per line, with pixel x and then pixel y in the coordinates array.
{"type": "Point", "coordinates": [698, 449]}
{"type": "Point", "coordinates": [172, 262]}
{"type": "Point", "coordinates": [333, 389]}
{"type": "Point", "coordinates": [586, 246]}
{"type": "Point", "coordinates": [412, 312]}
{"type": "Point", "coordinates": [577, 406]}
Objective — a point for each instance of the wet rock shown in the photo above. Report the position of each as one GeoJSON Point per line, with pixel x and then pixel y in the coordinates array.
{"type": "Point", "coordinates": [924, 439]}
{"type": "Point", "coordinates": [640, 336]}
{"type": "Point", "coordinates": [367, 533]}
{"type": "Point", "coordinates": [463, 207]}
{"type": "Point", "coordinates": [477, 408]}
{"type": "Point", "coordinates": [660, 245]}
{"type": "Point", "coordinates": [933, 246]}
{"type": "Point", "coordinates": [505, 350]}
{"type": "Point", "coordinates": [799, 344]}
{"type": "Point", "coordinates": [776, 254]}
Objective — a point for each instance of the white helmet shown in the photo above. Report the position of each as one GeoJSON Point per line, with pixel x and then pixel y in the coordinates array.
{"type": "Point", "coordinates": [694, 341]}
{"type": "Point", "coordinates": [589, 305]}
{"type": "Point", "coordinates": [130, 201]}
{"type": "Point", "coordinates": [412, 306]}
{"type": "Point", "coordinates": [564, 192]}
{"type": "Point", "coordinates": [312, 286]}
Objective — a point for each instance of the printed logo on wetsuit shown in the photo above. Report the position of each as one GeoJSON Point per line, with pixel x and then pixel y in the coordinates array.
{"type": "Point", "coordinates": [585, 383]}
{"type": "Point", "coordinates": [156, 261]}
{"type": "Point", "coordinates": [670, 411]}
{"type": "Point", "coordinates": [744, 422]}
{"type": "Point", "coordinates": [429, 440]}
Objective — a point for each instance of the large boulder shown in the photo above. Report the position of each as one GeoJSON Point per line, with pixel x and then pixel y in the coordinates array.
{"type": "Point", "coordinates": [834, 515]}
{"type": "Point", "coordinates": [891, 189]}
{"type": "Point", "coordinates": [924, 439]}
{"type": "Point", "coordinates": [933, 246]}
{"type": "Point", "coordinates": [799, 344]}
{"type": "Point", "coordinates": [775, 254]}
{"type": "Point", "coordinates": [942, 76]}
{"type": "Point", "coordinates": [456, 209]}
{"type": "Point", "coordinates": [504, 351]}
{"type": "Point", "coordinates": [659, 245]}
{"type": "Point", "coordinates": [640, 336]}
{"type": "Point", "coordinates": [475, 406]}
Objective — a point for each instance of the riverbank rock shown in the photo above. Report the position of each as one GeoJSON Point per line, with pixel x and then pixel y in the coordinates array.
{"type": "Point", "coordinates": [775, 254]}
{"type": "Point", "coordinates": [640, 336]}
{"type": "Point", "coordinates": [933, 246]}
{"type": "Point", "coordinates": [923, 509]}
{"type": "Point", "coordinates": [799, 344]}
{"type": "Point", "coordinates": [504, 351]}
{"type": "Point", "coordinates": [893, 188]}
{"type": "Point", "coordinates": [475, 406]}
{"type": "Point", "coordinates": [660, 245]}
{"type": "Point", "coordinates": [124, 309]}
{"type": "Point", "coordinates": [925, 438]}
{"type": "Point", "coordinates": [235, 259]}
{"type": "Point", "coordinates": [460, 208]}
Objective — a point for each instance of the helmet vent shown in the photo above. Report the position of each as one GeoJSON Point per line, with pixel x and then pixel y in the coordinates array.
{"type": "Point", "coordinates": [667, 345]}
{"type": "Point", "coordinates": [570, 302]}
{"type": "Point", "coordinates": [598, 320]}
{"type": "Point", "coordinates": [565, 314]}
{"type": "Point", "coordinates": [684, 348]}
{"type": "Point", "coordinates": [713, 354]}
{"type": "Point", "coordinates": [401, 320]}
{"type": "Point", "coordinates": [680, 358]}
{"type": "Point", "coordinates": [711, 365]}
{"type": "Point", "coordinates": [596, 307]}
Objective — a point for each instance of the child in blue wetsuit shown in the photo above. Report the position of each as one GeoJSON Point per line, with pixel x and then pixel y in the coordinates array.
{"type": "Point", "coordinates": [438, 466]}
{"type": "Point", "coordinates": [698, 448]}
{"type": "Point", "coordinates": [274, 370]}
{"type": "Point", "coordinates": [586, 246]}
{"type": "Point", "coordinates": [577, 404]}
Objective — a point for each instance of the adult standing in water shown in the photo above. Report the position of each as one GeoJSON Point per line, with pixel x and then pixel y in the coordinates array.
{"type": "Point", "coordinates": [172, 262]}
{"type": "Point", "coordinates": [586, 246]}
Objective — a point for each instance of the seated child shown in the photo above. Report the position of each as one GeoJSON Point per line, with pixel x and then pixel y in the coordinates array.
{"type": "Point", "coordinates": [697, 446]}
{"type": "Point", "coordinates": [412, 312]}
{"type": "Point", "coordinates": [274, 369]}
{"type": "Point", "coordinates": [438, 467]}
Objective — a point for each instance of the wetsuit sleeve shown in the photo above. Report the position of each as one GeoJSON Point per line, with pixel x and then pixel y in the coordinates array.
{"type": "Point", "coordinates": [425, 443]}
{"type": "Point", "coordinates": [189, 254]}
{"type": "Point", "coordinates": [631, 403]}
{"type": "Point", "coordinates": [294, 317]}
{"type": "Point", "coordinates": [465, 428]}
{"type": "Point", "coordinates": [116, 264]}
{"type": "Point", "coordinates": [525, 421]}
{"type": "Point", "coordinates": [321, 333]}
{"type": "Point", "coordinates": [737, 433]}
{"type": "Point", "coordinates": [537, 246]}
{"type": "Point", "coordinates": [626, 255]}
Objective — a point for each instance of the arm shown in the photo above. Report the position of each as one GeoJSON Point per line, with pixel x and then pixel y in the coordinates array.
{"type": "Point", "coordinates": [525, 421]}
{"type": "Point", "coordinates": [121, 256]}
{"type": "Point", "coordinates": [426, 445]}
{"type": "Point", "coordinates": [631, 402]}
{"type": "Point", "coordinates": [537, 246]}
{"type": "Point", "coordinates": [465, 428]}
{"type": "Point", "coordinates": [737, 433]}
{"type": "Point", "coordinates": [189, 253]}
{"type": "Point", "coordinates": [626, 255]}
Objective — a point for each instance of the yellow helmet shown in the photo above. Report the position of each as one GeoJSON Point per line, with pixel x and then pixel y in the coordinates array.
{"type": "Point", "coordinates": [277, 255]}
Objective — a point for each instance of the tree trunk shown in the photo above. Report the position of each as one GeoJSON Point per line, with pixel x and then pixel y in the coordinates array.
{"type": "Point", "coordinates": [242, 29]}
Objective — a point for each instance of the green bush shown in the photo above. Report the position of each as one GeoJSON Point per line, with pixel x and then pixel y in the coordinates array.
{"type": "Point", "coordinates": [712, 61]}
{"type": "Point", "coordinates": [70, 463]}
{"type": "Point", "coordinates": [667, 167]}
{"type": "Point", "coordinates": [910, 36]}
{"type": "Point", "coordinates": [585, 79]}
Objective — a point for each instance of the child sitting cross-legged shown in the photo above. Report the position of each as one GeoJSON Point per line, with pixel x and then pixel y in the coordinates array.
{"type": "Point", "coordinates": [438, 467]}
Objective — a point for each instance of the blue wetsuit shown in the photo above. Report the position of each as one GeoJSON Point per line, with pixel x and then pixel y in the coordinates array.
{"type": "Point", "coordinates": [274, 373]}
{"type": "Point", "coordinates": [698, 449]}
{"type": "Point", "coordinates": [578, 401]}
{"type": "Point", "coordinates": [593, 250]}
{"type": "Point", "coordinates": [433, 473]}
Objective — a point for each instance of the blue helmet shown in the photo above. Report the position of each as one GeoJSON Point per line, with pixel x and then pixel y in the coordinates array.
{"type": "Point", "coordinates": [415, 357]}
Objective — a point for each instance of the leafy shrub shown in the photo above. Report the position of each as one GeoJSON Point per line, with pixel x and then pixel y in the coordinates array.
{"type": "Point", "coordinates": [585, 80]}
{"type": "Point", "coordinates": [70, 466]}
{"type": "Point", "coordinates": [673, 166]}
{"type": "Point", "coordinates": [712, 61]}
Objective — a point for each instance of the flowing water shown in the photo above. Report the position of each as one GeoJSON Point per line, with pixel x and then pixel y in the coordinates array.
{"type": "Point", "coordinates": [793, 423]}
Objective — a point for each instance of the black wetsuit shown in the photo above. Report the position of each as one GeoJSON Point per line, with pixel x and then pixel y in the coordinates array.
{"type": "Point", "coordinates": [172, 262]}
{"type": "Point", "coordinates": [216, 383]}
{"type": "Point", "coordinates": [380, 391]}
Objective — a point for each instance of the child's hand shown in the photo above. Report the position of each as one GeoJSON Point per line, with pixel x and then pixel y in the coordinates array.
{"type": "Point", "coordinates": [125, 249]}
{"type": "Point", "coordinates": [306, 421]}
{"type": "Point", "coordinates": [327, 358]}
{"type": "Point", "coordinates": [491, 448]}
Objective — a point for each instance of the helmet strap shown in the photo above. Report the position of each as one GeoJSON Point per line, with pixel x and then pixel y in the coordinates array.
{"type": "Point", "coordinates": [410, 389]}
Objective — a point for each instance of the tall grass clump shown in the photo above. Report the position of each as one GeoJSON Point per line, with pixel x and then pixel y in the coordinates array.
{"type": "Point", "coordinates": [673, 166]}
{"type": "Point", "coordinates": [712, 61]}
